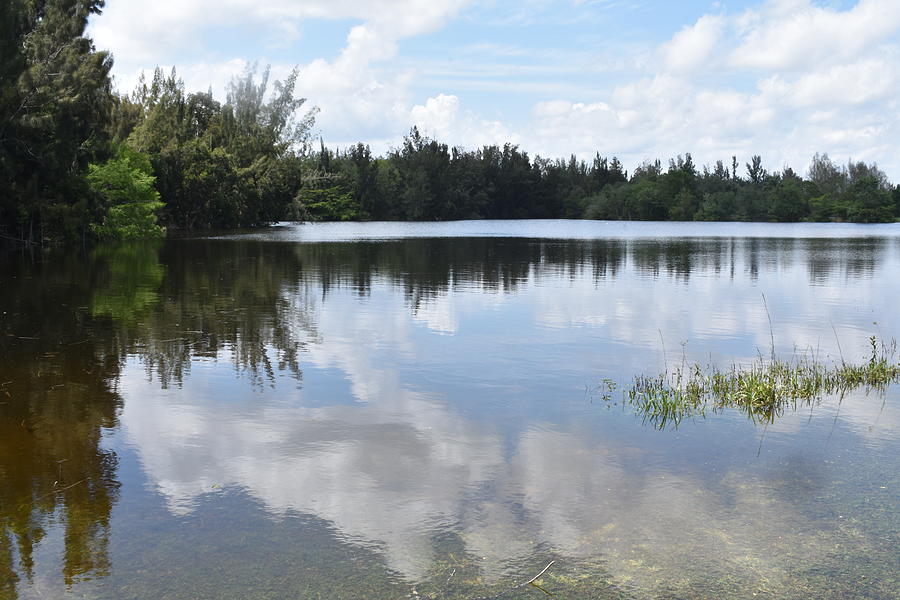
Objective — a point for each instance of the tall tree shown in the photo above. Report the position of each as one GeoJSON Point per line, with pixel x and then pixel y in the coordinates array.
{"type": "Point", "coordinates": [254, 128]}
{"type": "Point", "coordinates": [54, 101]}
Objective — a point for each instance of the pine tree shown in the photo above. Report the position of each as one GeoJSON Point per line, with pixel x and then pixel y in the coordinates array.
{"type": "Point", "coordinates": [54, 101]}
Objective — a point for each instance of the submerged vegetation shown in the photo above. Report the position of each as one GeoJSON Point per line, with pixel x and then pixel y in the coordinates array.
{"type": "Point", "coordinates": [763, 390]}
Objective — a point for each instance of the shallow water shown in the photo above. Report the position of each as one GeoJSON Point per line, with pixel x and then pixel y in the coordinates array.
{"type": "Point", "coordinates": [392, 410]}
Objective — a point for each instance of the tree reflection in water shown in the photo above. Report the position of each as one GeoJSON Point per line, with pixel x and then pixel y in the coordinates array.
{"type": "Point", "coordinates": [58, 369]}
{"type": "Point", "coordinates": [70, 322]}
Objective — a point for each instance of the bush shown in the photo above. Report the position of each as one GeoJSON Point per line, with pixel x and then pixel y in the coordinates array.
{"type": "Point", "coordinates": [129, 199]}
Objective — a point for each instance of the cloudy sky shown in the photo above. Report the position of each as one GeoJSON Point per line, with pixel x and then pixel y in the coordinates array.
{"type": "Point", "coordinates": [639, 79]}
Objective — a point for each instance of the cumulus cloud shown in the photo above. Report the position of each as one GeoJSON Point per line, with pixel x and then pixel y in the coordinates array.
{"type": "Point", "coordinates": [692, 47]}
{"type": "Point", "coordinates": [355, 98]}
{"type": "Point", "coordinates": [796, 34]}
{"type": "Point", "coordinates": [440, 117]}
{"type": "Point", "coordinates": [387, 455]}
{"type": "Point", "coordinates": [142, 34]}
{"type": "Point", "coordinates": [847, 84]}
{"type": "Point", "coordinates": [783, 78]}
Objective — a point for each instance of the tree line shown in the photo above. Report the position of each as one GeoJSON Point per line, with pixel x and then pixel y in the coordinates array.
{"type": "Point", "coordinates": [80, 161]}
{"type": "Point", "coordinates": [427, 180]}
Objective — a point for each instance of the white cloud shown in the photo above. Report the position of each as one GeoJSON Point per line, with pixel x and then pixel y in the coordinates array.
{"type": "Point", "coordinates": [355, 99]}
{"type": "Point", "coordinates": [131, 29]}
{"type": "Point", "coordinates": [825, 80]}
{"type": "Point", "coordinates": [503, 488]}
{"type": "Point", "coordinates": [784, 79]}
{"type": "Point", "coordinates": [440, 117]}
{"type": "Point", "coordinates": [692, 47]}
{"type": "Point", "coordinates": [795, 34]}
{"type": "Point", "coordinates": [848, 84]}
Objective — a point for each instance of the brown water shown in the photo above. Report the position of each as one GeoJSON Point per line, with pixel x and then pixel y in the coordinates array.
{"type": "Point", "coordinates": [407, 410]}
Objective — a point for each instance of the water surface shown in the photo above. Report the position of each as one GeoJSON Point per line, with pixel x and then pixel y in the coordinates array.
{"type": "Point", "coordinates": [393, 410]}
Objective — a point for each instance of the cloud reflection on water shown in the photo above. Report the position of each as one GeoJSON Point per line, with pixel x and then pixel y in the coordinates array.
{"type": "Point", "coordinates": [405, 457]}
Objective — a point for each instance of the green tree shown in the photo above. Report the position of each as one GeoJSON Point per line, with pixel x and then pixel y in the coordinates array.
{"type": "Point", "coordinates": [755, 170]}
{"type": "Point", "coordinates": [330, 204]}
{"type": "Point", "coordinates": [54, 101]}
{"type": "Point", "coordinates": [164, 121]}
{"type": "Point", "coordinates": [253, 127]}
{"type": "Point", "coordinates": [679, 189]}
{"type": "Point", "coordinates": [424, 167]}
{"type": "Point", "coordinates": [896, 196]}
{"type": "Point", "coordinates": [219, 166]}
{"type": "Point", "coordinates": [201, 186]}
{"type": "Point", "coordinates": [362, 173]}
{"type": "Point", "coordinates": [129, 199]}
{"type": "Point", "coordinates": [717, 206]}
{"type": "Point", "coordinates": [787, 199]}
{"type": "Point", "coordinates": [868, 201]}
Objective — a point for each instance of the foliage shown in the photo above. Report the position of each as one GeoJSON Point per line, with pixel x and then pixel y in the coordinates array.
{"type": "Point", "coordinates": [427, 180]}
{"type": "Point", "coordinates": [247, 161]}
{"type": "Point", "coordinates": [54, 100]}
{"type": "Point", "coordinates": [869, 201]}
{"type": "Point", "coordinates": [129, 199]}
{"type": "Point", "coordinates": [330, 204]}
{"type": "Point", "coordinates": [220, 165]}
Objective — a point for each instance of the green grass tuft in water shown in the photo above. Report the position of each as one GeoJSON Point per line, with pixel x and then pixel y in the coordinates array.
{"type": "Point", "coordinates": [763, 390]}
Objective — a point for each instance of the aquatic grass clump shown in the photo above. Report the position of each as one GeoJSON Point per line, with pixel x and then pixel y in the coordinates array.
{"type": "Point", "coordinates": [763, 390]}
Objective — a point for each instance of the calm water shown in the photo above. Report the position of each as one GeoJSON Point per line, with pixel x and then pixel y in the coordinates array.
{"type": "Point", "coordinates": [408, 411]}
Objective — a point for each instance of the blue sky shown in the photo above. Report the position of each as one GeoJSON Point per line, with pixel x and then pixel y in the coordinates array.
{"type": "Point", "coordinates": [632, 78]}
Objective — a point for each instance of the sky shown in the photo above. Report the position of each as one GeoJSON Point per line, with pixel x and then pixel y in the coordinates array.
{"type": "Point", "coordinates": [635, 79]}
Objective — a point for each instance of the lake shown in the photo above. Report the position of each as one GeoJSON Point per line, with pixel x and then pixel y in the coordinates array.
{"type": "Point", "coordinates": [409, 410]}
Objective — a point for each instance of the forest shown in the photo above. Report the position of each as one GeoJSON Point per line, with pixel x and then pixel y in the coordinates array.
{"type": "Point", "coordinates": [80, 160]}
